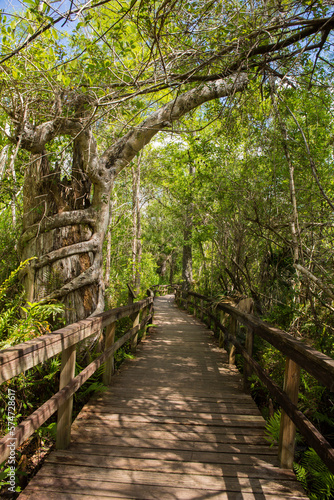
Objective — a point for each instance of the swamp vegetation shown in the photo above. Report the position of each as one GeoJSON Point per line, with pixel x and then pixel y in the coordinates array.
{"type": "Point", "coordinates": [168, 141]}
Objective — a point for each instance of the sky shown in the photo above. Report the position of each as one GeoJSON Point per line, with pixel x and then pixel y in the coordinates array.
{"type": "Point", "coordinates": [58, 7]}
{"type": "Point", "coordinates": [13, 5]}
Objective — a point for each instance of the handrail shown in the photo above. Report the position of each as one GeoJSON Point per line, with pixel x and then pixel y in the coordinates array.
{"type": "Point", "coordinates": [163, 288]}
{"type": "Point", "coordinates": [19, 358]}
{"type": "Point", "coordinates": [298, 354]}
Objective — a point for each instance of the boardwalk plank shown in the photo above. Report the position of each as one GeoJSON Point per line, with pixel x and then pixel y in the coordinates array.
{"type": "Point", "coordinates": [67, 473]}
{"type": "Point", "coordinates": [172, 466]}
{"type": "Point", "coordinates": [175, 424]}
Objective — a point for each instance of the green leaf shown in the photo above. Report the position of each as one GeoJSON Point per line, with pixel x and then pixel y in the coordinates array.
{"type": "Point", "coordinates": [66, 80]}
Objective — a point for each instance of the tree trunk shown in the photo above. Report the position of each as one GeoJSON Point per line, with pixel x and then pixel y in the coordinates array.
{"type": "Point", "coordinates": [108, 252]}
{"type": "Point", "coordinates": [172, 266]}
{"type": "Point", "coordinates": [136, 226]}
{"type": "Point", "coordinates": [64, 225]}
{"type": "Point", "coordinates": [59, 228]}
{"type": "Point", "coordinates": [187, 260]}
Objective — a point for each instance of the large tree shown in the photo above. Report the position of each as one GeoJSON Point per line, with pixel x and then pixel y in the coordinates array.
{"type": "Point", "coordinates": [84, 110]}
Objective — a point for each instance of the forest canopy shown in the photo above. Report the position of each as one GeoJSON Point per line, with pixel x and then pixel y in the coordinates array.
{"type": "Point", "coordinates": [235, 192]}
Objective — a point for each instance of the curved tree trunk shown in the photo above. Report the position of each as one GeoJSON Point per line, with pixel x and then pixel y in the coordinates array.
{"type": "Point", "coordinates": [61, 230]}
{"type": "Point", "coordinates": [64, 224]}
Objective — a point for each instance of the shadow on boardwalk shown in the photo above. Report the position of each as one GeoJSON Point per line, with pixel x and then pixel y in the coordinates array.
{"type": "Point", "coordinates": [175, 424]}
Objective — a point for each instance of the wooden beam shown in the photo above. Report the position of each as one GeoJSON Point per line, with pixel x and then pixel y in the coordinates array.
{"type": "Point", "coordinates": [21, 357]}
{"type": "Point", "coordinates": [134, 339]}
{"type": "Point", "coordinates": [109, 365]}
{"type": "Point", "coordinates": [316, 363]}
{"type": "Point", "coordinates": [26, 428]}
{"type": "Point", "coordinates": [287, 436]}
{"type": "Point", "coordinates": [64, 420]}
{"type": "Point", "coordinates": [313, 437]}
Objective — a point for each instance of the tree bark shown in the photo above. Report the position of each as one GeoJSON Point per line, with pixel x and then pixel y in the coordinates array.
{"type": "Point", "coordinates": [187, 259]}
{"type": "Point", "coordinates": [136, 226]}
{"type": "Point", "coordinates": [65, 220]}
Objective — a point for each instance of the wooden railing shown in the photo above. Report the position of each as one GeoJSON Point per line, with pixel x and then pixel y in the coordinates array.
{"type": "Point", "coordinates": [21, 357]}
{"type": "Point", "coordinates": [164, 289]}
{"type": "Point", "coordinates": [298, 355]}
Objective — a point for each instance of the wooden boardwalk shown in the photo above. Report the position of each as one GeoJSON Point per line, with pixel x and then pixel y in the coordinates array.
{"type": "Point", "coordinates": [174, 425]}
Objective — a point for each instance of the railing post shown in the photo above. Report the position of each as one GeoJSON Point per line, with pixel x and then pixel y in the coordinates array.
{"type": "Point", "coordinates": [64, 417]}
{"type": "Point", "coordinates": [233, 331]}
{"type": "Point", "coordinates": [150, 309]}
{"type": "Point", "coordinates": [135, 318]}
{"type": "Point", "coordinates": [134, 339]}
{"type": "Point", "coordinates": [249, 342]}
{"type": "Point", "coordinates": [146, 312]}
{"type": "Point", "coordinates": [202, 307]}
{"type": "Point", "coordinates": [286, 446]}
{"type": "Point", "coordinates": [109, 366]}
{"type": "Point", "coordinates": [195, 306]}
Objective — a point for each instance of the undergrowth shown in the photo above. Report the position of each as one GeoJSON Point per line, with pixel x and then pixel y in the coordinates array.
{"type": "Point", "coordinates": [19, 322]}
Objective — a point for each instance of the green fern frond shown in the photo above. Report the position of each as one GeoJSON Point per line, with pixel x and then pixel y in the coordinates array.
{"type": "Point", "coordinates": [273, 428]}
{"type": "Point", "coordinates": [94, 387]}
{"type": "Point", "coordinates": [12, 277]}
{"type": "Point", "coordinates": [315, 477]}
{"type": "Point", "coordinates": [301, 474]}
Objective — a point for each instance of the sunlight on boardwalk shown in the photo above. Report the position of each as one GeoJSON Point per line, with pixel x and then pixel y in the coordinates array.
{"type": "Point", "coordinates": [174, 425]}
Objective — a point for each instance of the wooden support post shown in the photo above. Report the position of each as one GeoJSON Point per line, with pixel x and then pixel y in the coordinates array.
{"type": "Point", "coordinates": [145, 313]}
{"type": "Point", "coordinates": [286, 446]}
{"type": "Point", "coordinates": [151, 312]}
{"type": "Point", "coordinates": [195, 306]}
{"type": "Point", "coordinates": [249, 342]}
{"type": "Point", "coordinates": [131, 294]}
{"type": "Point", "coordinates": [64, 422]}
{"type": "Point", "coordinates": [233, 331]}
{"type": "Point", "coordinates": [134, 339]}
{"type": "Point", "coordinates": [109, 366]}
{"type": "Point", "coordinates": [201, 306]}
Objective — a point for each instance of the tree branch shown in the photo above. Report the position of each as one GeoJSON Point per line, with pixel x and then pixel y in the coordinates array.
{"type": "Point", "coordinates": [34, 139]}
{"type": "Point", "coordinates": [325, 288]}
{"type": "Point", "coordinates": [63, 252]}
{"type": "Point", "coordinates": [120, 154]}
{"type": "Point", "coordinates": [87, 216]}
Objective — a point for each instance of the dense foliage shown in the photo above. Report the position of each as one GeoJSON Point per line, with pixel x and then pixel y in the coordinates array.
{"type": "Point", "coordinates": [234, 198]}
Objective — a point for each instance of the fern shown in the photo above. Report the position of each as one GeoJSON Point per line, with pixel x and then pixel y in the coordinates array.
{"type": "Point", "coordinates": [12, 277]}
{"type": "Point", "coordinates": [301, 474]}
{"type": "Point", "coordinates": [273, 428]}
{"type": "Point", "coordinates": [94, 387]}
{"type": "Point", "coordinates": [314, 476]}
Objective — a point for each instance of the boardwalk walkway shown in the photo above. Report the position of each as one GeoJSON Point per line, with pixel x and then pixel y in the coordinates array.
{"type": "Point", "coordinates": [174, 425]}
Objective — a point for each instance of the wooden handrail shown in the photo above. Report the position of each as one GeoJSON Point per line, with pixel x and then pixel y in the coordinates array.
{"type": "Point", "coordinates": [298, 354]}
{"type": "Point", "coordinates": [19, 358]}
{"type": "Point", "coordinates": [163, 288]}
{"type": "Point", "coordinates": [316, 363]}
